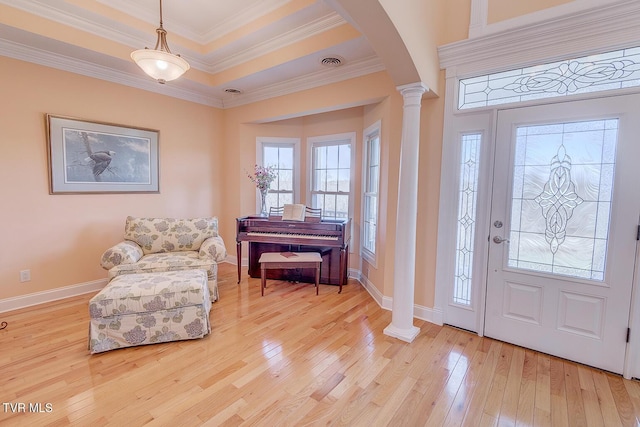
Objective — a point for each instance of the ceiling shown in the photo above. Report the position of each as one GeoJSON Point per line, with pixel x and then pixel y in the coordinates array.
{"type": "Point", "coordinates": [240, 52]}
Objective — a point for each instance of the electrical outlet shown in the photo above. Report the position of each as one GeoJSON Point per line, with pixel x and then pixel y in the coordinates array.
{"type": "Point", "coordinates": [25, 275]}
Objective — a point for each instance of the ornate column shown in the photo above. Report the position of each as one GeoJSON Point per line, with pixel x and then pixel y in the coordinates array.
{"type": "Point", "coordinates": [401, 326]}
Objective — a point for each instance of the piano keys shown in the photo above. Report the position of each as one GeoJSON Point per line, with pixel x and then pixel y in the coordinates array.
{"type": "Point", "coordinates": [330, 238]}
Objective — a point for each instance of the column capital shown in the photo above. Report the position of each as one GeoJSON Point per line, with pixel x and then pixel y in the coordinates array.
{"type": "Point", "coordinates": [412, 92]}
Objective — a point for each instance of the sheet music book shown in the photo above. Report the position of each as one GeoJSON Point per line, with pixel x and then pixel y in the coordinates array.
{"type": "Point", "coordinates": [294, 212]}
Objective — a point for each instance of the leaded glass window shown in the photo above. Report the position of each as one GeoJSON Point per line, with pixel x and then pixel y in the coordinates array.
{"type": "Point", "coordinates": [467, 203]}
{"type": "Point", "coordinates": [594, 73]}
{"type": "Point", "coordinates": [561, 197]}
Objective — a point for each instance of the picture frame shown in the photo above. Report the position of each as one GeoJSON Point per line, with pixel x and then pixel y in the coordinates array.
{"type": "Point", "coordinates": [89, 157]}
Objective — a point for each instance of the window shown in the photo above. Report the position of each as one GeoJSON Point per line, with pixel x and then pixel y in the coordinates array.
{"type": "Point", "coordinates": [283, 155]}
{"type": "Point", "coordinates": [331, 162]}
{"type": "Point", "coordinates": [466, 217]}
{"type": "Point", "coordinates": [577, 178]}
{"type": "Point", "coordinates": [612, 70]}
{"type": "Point", "coordinates": [370, 191]}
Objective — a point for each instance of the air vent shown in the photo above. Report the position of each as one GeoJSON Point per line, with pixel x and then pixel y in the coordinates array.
{"type": "Point", "coordinates": [332, 61]}
{"type": "Point", "coordinates": [233, 91]}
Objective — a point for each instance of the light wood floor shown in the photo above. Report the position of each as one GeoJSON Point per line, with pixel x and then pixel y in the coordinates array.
{"type": "Point", "coordinates": [294, 358]}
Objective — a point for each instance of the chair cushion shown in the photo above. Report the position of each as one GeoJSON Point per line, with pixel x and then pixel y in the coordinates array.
{"type": "Point", "coordinates": [143, 293]}
{"type": "Point", "coordinates": [138, 309]}
{"type": "Point", "coordinates": [168, 261]}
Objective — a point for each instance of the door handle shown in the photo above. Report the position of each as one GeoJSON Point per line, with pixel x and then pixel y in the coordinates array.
{"type": "Point", "coordinates": [499, 239]}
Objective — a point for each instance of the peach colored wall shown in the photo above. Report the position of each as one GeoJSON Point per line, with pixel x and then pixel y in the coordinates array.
{"type": "Point", "coordinates": [431, 129]}
{"type": "Point", "coordinates": [500, 10]}
{"type": "Point", "coordinates": [334, 122]}
{"type": "Point", "coordinates": [457, 16]}
{"type": "Point", "coordinates": [380, 275]}
{"type": "Point", "coordinates": [383, 102]}
{"type": "Point", "coordinates": [419, 23]}
{"type": "Point", "coordinates": [241, 130]}
{"type": "Point", "coordinates": [204, 155]}
{"type": "Point", "coordinates": [60, 237]}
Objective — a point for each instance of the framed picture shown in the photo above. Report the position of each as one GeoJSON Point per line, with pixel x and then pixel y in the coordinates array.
{"type": "Point", "coordinates": [95, 157]}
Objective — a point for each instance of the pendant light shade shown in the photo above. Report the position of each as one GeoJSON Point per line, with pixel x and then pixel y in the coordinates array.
{"type": "Point", "coordinates": [159, 63]}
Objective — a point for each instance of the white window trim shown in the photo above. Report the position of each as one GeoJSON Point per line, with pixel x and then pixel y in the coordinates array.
{"type": "Point", "coordinates": [261, 141]}
{"type": "Point", "coordinates": [367, 255]}
{"type": "Point", "coordinates": [335, 139]}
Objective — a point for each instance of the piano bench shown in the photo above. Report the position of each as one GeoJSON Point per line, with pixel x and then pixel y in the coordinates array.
{"type": "Point", "coordinates": [285, 260]}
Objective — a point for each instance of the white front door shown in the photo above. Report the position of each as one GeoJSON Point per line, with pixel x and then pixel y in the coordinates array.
{"type": "Point", "coordinates": [564, 220]}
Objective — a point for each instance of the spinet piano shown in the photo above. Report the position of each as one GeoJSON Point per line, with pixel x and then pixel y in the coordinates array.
{"type": "Point", "coordinates": [330, 238]}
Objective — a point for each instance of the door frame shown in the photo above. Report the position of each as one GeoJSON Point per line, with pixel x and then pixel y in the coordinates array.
{"type": "Point", "coordinates": [617, 283]}
{"type": "Point", "coordinates": [454, 126]}
{"type": "Point", "coordinates": [482, 122]}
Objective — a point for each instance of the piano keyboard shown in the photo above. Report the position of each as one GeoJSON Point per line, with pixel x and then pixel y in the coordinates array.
{"type": "Point", "coordinates": [294, 235]}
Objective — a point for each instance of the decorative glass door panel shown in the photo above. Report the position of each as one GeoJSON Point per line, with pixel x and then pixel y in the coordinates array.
{"type": "Point", "coordinates": [467, 205]}
{"type": "Point", "coordinates": [561, 199]}
{"type": "Point", "coordinates": [566, 188]}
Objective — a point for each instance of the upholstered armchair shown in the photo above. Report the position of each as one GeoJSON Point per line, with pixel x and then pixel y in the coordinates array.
{"type": "Point", "coordinates": [168, 244]}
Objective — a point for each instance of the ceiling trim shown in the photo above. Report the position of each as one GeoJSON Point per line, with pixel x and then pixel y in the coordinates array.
{"type": "Point", "coordinates": [316, 27]}
{"type": "Point", "coordinates": [201, 95]}
{"type": "Point", "coordinates": [74, 65]}
{"type": "Point", "coordinates": [110, 30]}
{"type": "Point", "coordinates": [309, 81]}
{"type": "Point", "coordinates": [98, 25]}
{"type": "Point", "coordinates": [228, 25]}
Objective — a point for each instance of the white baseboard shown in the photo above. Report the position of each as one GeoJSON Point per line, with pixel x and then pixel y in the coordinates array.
{"type": "Point", "coordinates": [432, 315]}
{"type": "Point", "coordinates": [384, 302]}
{"type": "Point", "coordinates": [427, 314]}
{"type": "Point", "coordinates": [22, 301]}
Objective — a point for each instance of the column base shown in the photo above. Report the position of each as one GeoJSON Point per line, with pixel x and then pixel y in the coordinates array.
{"type": "Point", "coordinates": [407, 335]}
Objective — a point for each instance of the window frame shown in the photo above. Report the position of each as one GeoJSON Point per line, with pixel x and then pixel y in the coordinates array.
{"type": "Point", "coordinates": [368, 135]}
{"type": "Point", "coordinates": [348, 138]}
{"type": "Point", "coordinates": [261, 143]}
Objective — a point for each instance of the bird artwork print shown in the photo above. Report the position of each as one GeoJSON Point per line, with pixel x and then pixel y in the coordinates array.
{"type": "Point", "coordinates": [105, 159]}
{"type": "Point", "coordinates": [101, 160]}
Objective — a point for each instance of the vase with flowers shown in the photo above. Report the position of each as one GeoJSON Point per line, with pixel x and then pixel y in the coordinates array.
{"type": "Point", "coordinates": [262, 177]}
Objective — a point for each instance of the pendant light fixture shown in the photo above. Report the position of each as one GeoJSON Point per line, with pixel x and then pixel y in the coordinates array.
{"type": "Point", "coordinates": [159, 62]}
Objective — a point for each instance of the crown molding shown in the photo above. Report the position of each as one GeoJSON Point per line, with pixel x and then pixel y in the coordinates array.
{"type": "Point", "coordinates": [230, 24]}
{"type": "Point", "coordinates": [71, 16]}
{"type": "Point", "coordinates": [201, 95]}
{"type": "Point", "coordinates": [74, 65]}
{"type": "Point", "coordinates": [612, 26]}
{"type": "Point", "coordinates": [316, 27]}
{"type": "Point", "coordinates": [241, 18]}
{"type": "Point", "coordinates": [309, 81]}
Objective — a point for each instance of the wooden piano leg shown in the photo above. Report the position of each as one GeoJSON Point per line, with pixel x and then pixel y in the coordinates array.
{"type": "Point", "coordinates": [343, 265]}
{"type": "Point", "coordinates": [239, 259]}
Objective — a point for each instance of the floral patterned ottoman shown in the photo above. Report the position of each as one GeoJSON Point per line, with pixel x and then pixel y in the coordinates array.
{"type": "Point", "coordinates": [149, 308]}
